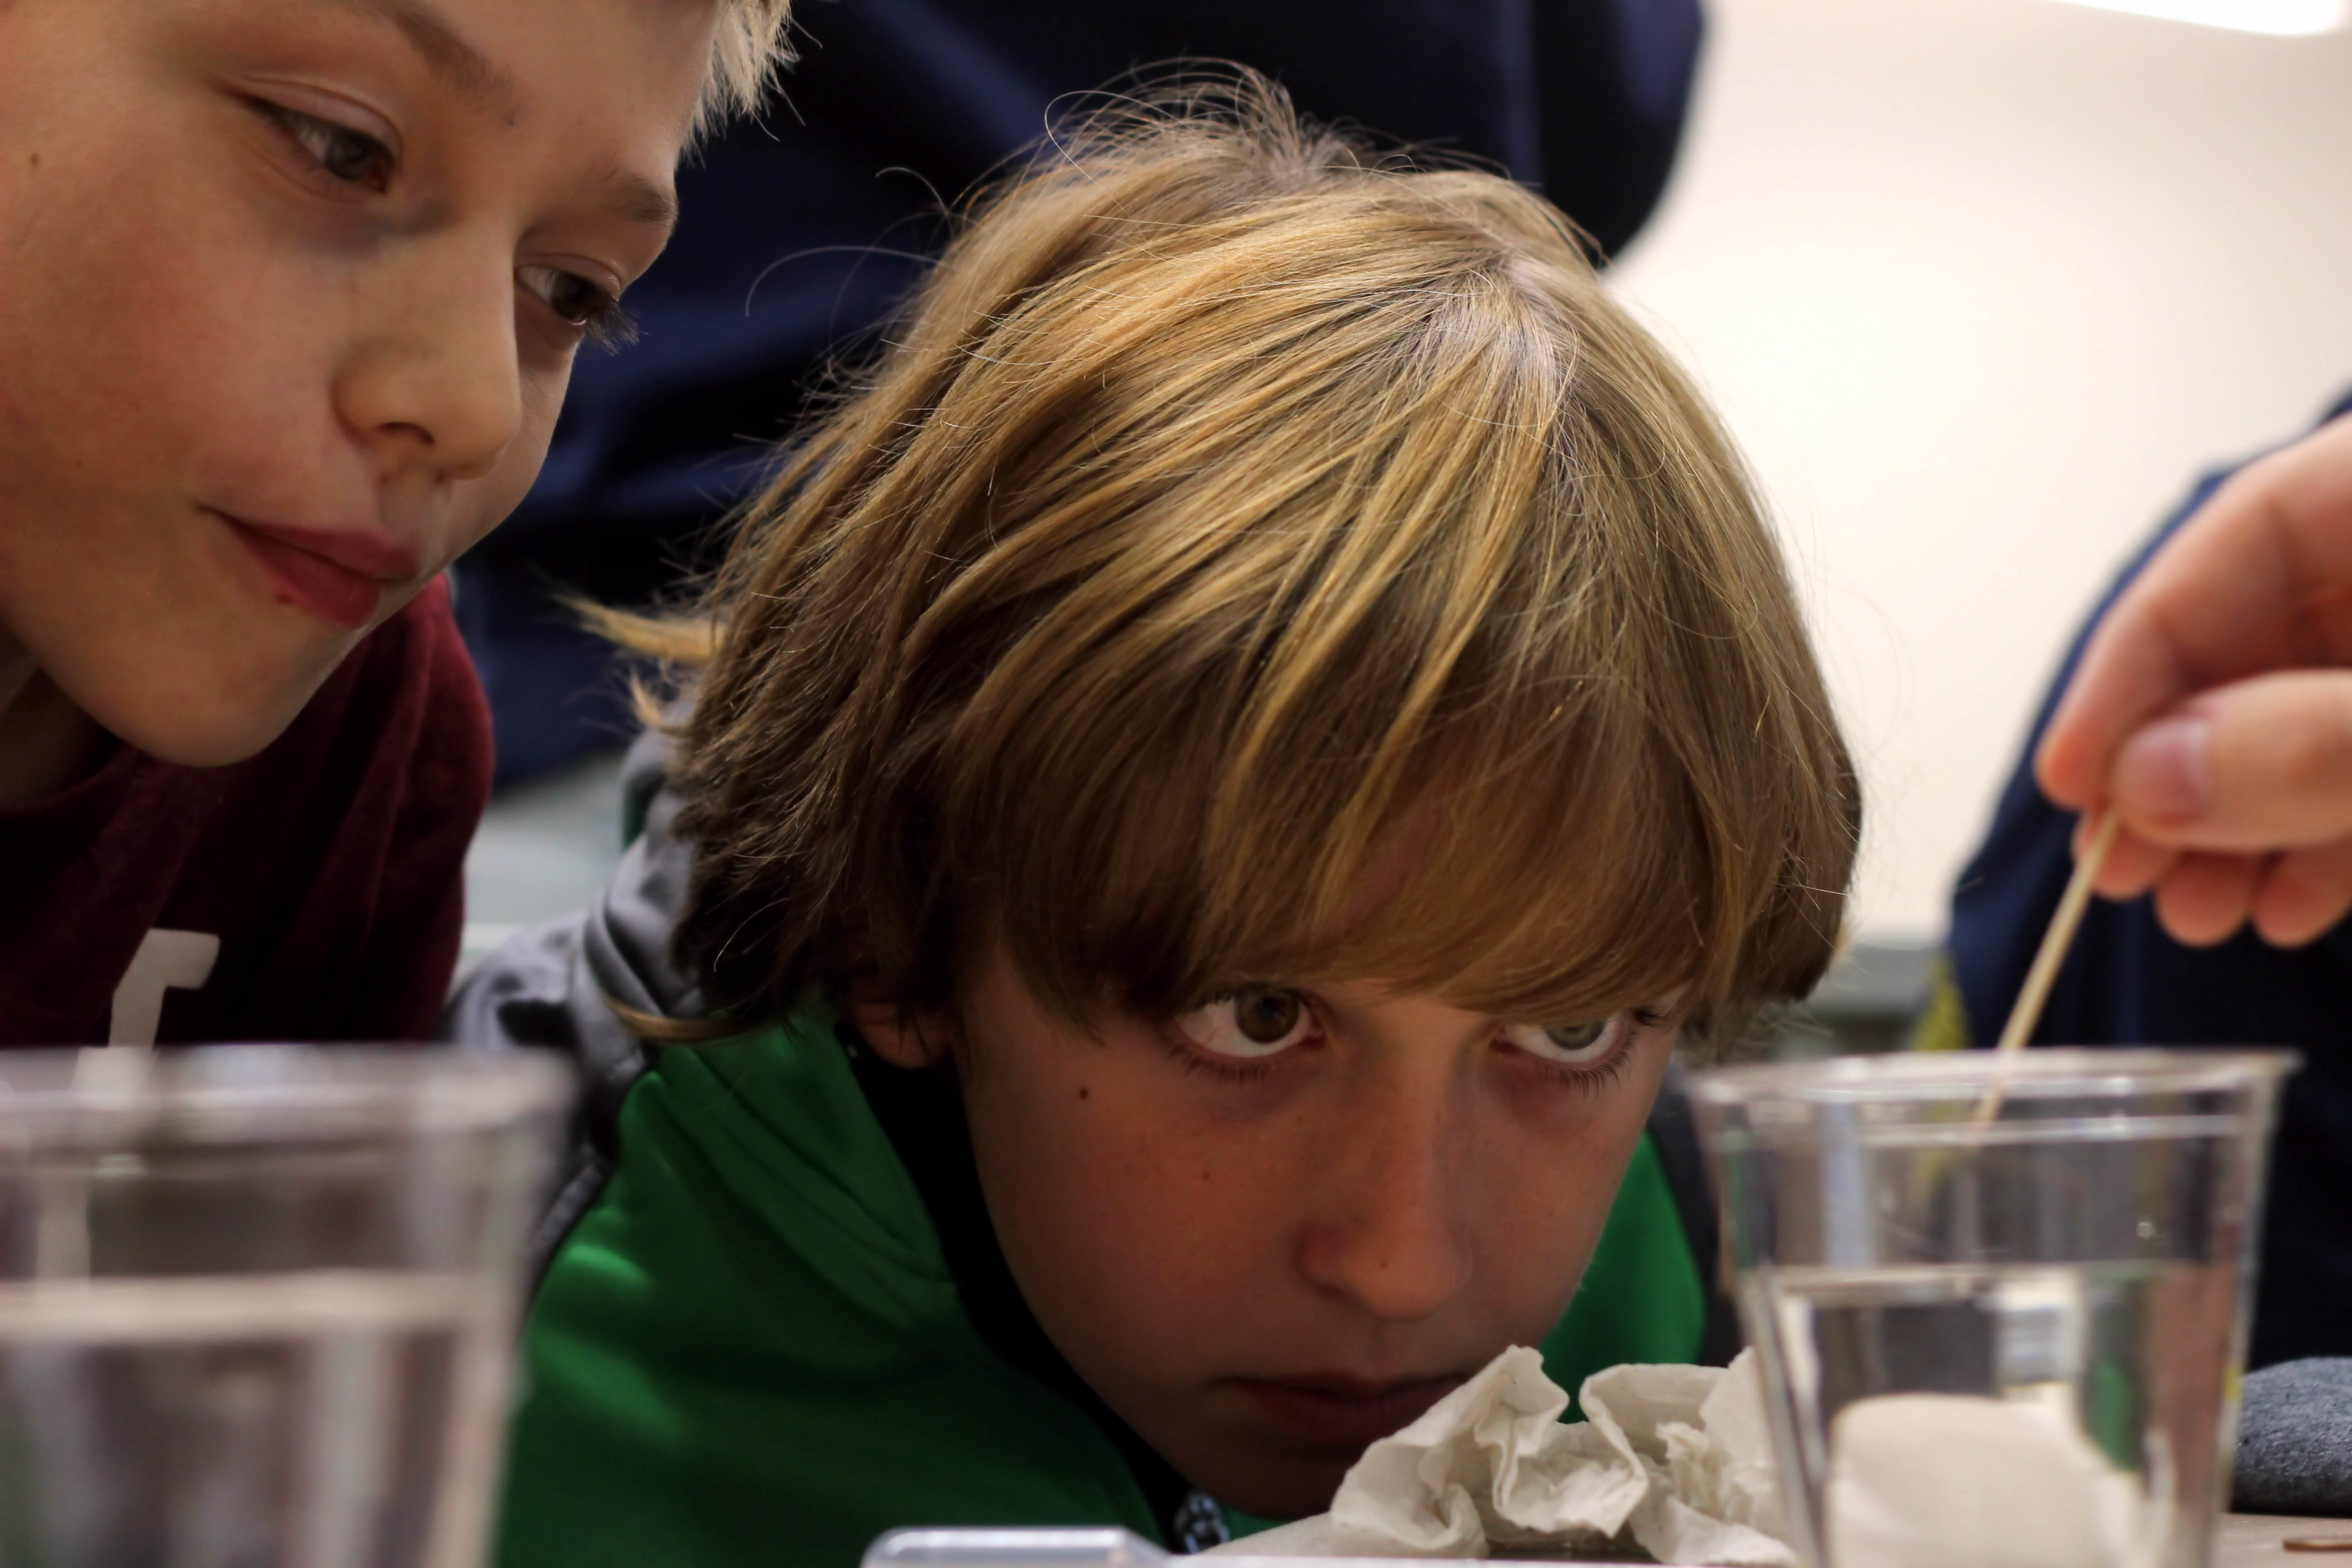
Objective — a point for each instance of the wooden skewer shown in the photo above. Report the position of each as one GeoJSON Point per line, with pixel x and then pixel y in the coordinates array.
{"type": "Point", "coordinates": [2027, 1010]}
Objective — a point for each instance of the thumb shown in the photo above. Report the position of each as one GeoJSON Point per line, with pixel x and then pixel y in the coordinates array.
{"type": "Point", "coordinates": [2259, 766]}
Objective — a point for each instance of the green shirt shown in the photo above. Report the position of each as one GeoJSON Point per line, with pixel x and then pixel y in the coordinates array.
{"type": "Point", "coordinates": [749, 1353]}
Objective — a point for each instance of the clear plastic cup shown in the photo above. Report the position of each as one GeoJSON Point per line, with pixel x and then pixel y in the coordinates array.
{"type": "Point", "coordinates": [257, 1303]}
{"type": "Point", "coordinates": [1997, 1334]}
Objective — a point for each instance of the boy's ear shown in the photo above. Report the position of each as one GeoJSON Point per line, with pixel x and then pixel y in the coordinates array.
{"type": "Point", "coordinates": [903, 1039]}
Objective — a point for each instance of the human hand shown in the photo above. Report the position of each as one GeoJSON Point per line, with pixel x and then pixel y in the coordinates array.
{"type": "Point", "coordinates": [2212, 709]}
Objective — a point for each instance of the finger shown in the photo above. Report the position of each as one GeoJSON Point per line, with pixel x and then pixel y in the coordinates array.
{"type": "Point", "coordinates": [2132, 864]}
{"type": "Point", "coordinates": [2214, 605]}
{"type": "Point", "coordinates": [2258, 766]}
{"type": "Point", "coordinates": [2205, 898]}
{"type": "Point", "coordinates": [2304, 893]}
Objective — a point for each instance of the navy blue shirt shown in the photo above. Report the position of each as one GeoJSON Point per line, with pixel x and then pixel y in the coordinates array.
{"type": "Point", "coordinates": [2128, 982]}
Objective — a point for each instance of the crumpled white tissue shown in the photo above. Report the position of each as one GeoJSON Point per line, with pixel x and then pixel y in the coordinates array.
{"type": "Point", "coordinates": [1677, 1456]}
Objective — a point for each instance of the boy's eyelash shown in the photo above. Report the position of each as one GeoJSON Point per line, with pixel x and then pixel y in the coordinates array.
{"type": "Point", "coordinates": [1604, 1075]}
{"type": "Point", "coordinates": [610, 326]}
{"type": "Point", "coordinates": [292, 123]}
{"type": "Point", "coordinates": [1225, 1070]}
{"type": "Point", "coordinates": [1234, 1069]}
{"type": "Point", "coordinates": [593, 313]}
{"type": "Point", "coordinates": [1239, 1070]}
{"type": "Point", "coordinates": [1589, 1080]}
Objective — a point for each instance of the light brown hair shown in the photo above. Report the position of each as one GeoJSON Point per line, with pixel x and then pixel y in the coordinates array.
{"type": "Point", "coordinates": [1254, 559]}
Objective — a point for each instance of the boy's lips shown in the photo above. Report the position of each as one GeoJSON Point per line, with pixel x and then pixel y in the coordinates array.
{"type": "Point", "coordinates": [337, 575]}
{"type": "Point", "coordinates": [1342, 1411]}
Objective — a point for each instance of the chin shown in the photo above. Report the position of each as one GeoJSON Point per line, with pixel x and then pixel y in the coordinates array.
{"type": "Point", "coordinates": [209, 693]}
{"type": "Point", "coordinates": [219, 746]}
{"type": "Point", "coordinates": [217, 734]}
{"type": "Point", "coordinates": [1274, 1487]}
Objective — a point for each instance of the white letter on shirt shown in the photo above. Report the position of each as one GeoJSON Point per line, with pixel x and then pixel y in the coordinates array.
{"type": "Point", "coordinates": [166, 960]}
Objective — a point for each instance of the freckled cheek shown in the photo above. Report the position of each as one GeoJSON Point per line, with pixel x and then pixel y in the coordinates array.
{"type": "Point", "coordinates": [214, 351]}
{"type": "Point", "coordinates": [1121, 1228]}
{"type": "Point", "coordinates": [544, 384]}
{"type": "Point", "coordinates": [1545, 1188]}
{"type": "Point", "coordinates": [492, 498]}
{"type": "Point", "coordinates": [1067, 1165]}
{"type": "Point", "coordinates": [543, 400]}
{"type": "Point", "coordinates": [1541, 1212]}
{"type": "Point", "coordinates": [1530, 1237]}
{"type": "Point", "coordinates": [486, 502]}
{"type": "Point", "coordinates": [121, 331]}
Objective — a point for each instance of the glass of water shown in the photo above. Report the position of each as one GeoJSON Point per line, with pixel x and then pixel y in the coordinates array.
{"type": "Point", "coordinates": [257, 1303]}
{"type": "Point", "coordinates": [2000, 1305]}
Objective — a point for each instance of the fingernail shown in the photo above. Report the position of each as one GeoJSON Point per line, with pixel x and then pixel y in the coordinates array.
{"type": "Point", "coordinates": [2162, 771]}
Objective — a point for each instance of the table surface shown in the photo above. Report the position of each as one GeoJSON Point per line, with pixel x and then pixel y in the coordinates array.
{"type": "Point", "coordinates": [2244, 1540]}
{"type": "Point", "coordinates": [2254, 1541]}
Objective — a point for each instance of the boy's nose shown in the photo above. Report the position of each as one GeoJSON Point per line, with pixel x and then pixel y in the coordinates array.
{"type": "Point", "coordinates": [432, 381]}
{"type": "Point", "coordinates": [1389, 1235]}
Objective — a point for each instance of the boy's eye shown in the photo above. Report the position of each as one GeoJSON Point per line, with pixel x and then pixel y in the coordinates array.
{"type": "Point", "coordinates": [351, 156]}
{"type": "Point", "coordinates": [569, 296]}
{"type": "Point", "coordinates": [1570, 1045]}
{"type": "Point", "coordinates": [577, 302]}
{"type": "Point", "coordinates": [1253, 1021]}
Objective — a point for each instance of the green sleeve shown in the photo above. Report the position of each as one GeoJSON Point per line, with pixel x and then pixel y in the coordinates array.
{"type": "Point", "coordinates": [749, 1353]}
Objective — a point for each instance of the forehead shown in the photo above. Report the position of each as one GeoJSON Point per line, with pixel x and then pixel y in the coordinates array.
{"type": "Point", "coordinates": [619, 77]}
{"type": "Point", "coordinates": [515, 60]}
{"type": "Point", "coordinates": [454, 60]}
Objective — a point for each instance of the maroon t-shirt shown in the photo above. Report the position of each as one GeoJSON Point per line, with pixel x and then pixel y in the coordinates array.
{"type": "Point", "coordinates": [314, 892]}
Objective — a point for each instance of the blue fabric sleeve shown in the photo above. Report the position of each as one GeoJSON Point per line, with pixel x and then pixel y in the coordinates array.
{"type": "Point", "coordinates": [2125, 981]}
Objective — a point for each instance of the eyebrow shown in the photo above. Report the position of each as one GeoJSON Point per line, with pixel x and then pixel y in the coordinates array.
{"type": "Point", "coordinates": [457, 65]}
{"type": "Point", "coordinates": [631, 197]}
{"type": "Point", "coordinates": [467, 72]}
{"type": "Point", "coordinates": [454, 62]}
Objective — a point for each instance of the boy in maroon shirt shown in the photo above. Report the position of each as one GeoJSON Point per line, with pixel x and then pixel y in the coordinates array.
{"type": "Point", "coordinates": [289, 290]}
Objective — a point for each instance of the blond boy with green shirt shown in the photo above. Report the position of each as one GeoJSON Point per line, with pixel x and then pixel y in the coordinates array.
{"type": "Point", "coordinates": [1224, 772]}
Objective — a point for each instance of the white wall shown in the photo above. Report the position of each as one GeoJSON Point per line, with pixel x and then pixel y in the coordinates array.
{"type": "Point", "coordinates": [1981, 285]}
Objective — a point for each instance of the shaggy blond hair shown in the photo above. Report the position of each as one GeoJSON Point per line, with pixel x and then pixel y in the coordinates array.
{"type": "Point", "coordinates": [751, 44]}
{"type": "Point", "coordinates": [1252, 560]}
